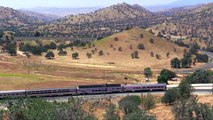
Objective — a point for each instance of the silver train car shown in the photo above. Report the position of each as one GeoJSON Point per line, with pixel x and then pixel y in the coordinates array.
{"type": "Point", "coordinates": [83, 90]}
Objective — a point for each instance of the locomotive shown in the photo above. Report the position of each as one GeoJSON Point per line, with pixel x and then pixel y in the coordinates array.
{"type": "Point", "coordinates": [84, 90]}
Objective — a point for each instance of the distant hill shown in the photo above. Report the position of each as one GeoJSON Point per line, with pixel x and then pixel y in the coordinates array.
{"type": "Point", "coordinates": [39, 16]}
{"type": "Point", "coordinates": [10, 17]}
{"type": "Point", "coordinates": [102, 22]}
{"type": "Point", "coordinates": [196, 22]}
{"type": "Point", "coordinates": [117, 50]}
{"type": "Point", "coordinates": [113, 13]}
{"type": "Point", "coordinates": [62, 12]}
{"type": "Point", "coordinates": [176, 4]}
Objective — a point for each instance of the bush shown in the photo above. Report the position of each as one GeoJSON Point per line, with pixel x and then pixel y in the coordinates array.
{"type": "Point", "coordinates": [168, 73]}
{"type": "Point", "coordinates": [176, 63]}
{"type": "Point", "coordinates": [185, 88]}
{"type": "Point", "coordinates": [111, 113]}
{"type": "Point", "coordinates": [170, 96]}
{"type": "Point", "coordinates": [163, 79]}
{"type": "Point", "coordinates": [101, 53]}
{"type": "Point", "coordinates": [148, 72]}
{"type": "Point", "coordinates": [151, 40]}
{"type": "Point", "coordinates": [139, 115]}
{"type": "Point", "coordinates": [202, 58]}
{"type": "Point", "coordinates": [75, 55]}
{"type": "Point", "coordinates": [201, 76]}
{"type": "Point", "coordinates": [141, 46]}
{"type": "Point", "coordinates": [62, 53]}
{"type": "Point", "coordinates": [50, 55]}
{"type": "Point", "coordinates": [190, 109]}
{"type": "Point", "coordinates": [148, 102]}
{"type": "Point", "coordinates": [129, 104]}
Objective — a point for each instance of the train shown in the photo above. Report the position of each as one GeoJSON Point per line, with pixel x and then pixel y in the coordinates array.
{"type": "Point", "coordinates": [83, 90]}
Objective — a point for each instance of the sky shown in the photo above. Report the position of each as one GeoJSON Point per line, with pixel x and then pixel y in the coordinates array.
{"type": "Point", "coordinates": [18, 4]}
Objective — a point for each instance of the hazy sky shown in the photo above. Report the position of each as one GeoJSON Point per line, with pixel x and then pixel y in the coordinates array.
{"type": "Point", "coordinates": [76, 3]}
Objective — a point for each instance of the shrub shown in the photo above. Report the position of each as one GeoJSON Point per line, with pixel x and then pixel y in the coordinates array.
{"type": "Point", "coordinates": [170, 96]}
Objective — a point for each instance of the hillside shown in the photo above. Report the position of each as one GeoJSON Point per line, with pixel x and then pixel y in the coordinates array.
{"type": "Point", "coordinates": [10, 17]}
{"type": "Point", "coordinates": [114, 13]}
{"type": "Point", "coordinates": [196, 23]}
{"type": "Point", "coordinates": [177, 4]}
{"type": "Point", "coordinates": [118, 52]}
{"type": "Point", "coordinates": [178, 10]}
{"type": "Point", "coordinates": [39, 16]}
{"type": "Point", "coordinates": [102, 22]}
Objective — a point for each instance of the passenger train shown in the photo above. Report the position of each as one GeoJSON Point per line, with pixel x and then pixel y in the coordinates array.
{"type": "Point", "coordinates": [83, 90]}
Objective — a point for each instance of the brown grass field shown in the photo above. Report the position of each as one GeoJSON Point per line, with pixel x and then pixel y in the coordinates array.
{"type": "Point", "coordinates": [63, 71]}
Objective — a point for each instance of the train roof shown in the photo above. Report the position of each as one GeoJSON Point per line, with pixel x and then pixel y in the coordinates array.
{"type": "Point", "coordinates": [12, 91]}
{"type": "Point", "coordinates": [136, 85]}
{"type": "Point", "coordinates": [51, 89]}
{"type": "Point", "coordinates": [100, 85]}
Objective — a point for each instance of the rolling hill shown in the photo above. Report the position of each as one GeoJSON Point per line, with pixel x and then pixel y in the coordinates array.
{"type": "Point", "coordinates": [10, 17]}
{"type": "Point", "coordinates": [114, 13]}
{"type": "Point", "coordinates": [177, 4]}
{"type": "Point", "coordinates": [102, 22]}
{"type": "Point", "coordinates": [117, 50]}
{"type": "Point", "coordinates": [196, 23]}
{"type": "Point", "coordinates": [39, 16]}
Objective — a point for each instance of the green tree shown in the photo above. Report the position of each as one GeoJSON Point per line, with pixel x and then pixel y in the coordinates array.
{"type": "Point", "coordinates": [170, 96]}
{"type": "Point", "coordinates": [194, 48]}
{"type": "Point", "coordinates": [1, 34]}
{"type": "Point", "coordinates": [129, 104]}
{"type": "Point", "coordinates": [75, 55]}
{"type": "Point", "coordinates": [101, 53]}
{"type": "Point", "coordinates": [139, 115]}
{"type": "Point", "coordinates": [148, 102]}
{"type": "Point", "coordinates": [62, 53]}
{"type": "Point", "coordinates": [39, 109]}
{"type": "Point", "coordinates": [185, 88]}
{"type": "Point", "coordinates": [201, 76]}
{"type": "Point", "coordinates": [190, 109]}
{"type": "Point", "coordinates": [186, 62]}
{"type": "Point", "coordinates": [202, 58]}
{"type": "Point", "coordinates": [11, 48]}
{"type": "Point", "coordinates": [141, 46]}
{"type": "Point", "coordinates": [111, 113]}
{"type": "Point", "coordinates": [61, 47]}
{"type": "Point", "coordinates": [37, 34]}
{"type": "Point", "coordinates": [168, 73]}
{"type": "Point", "coordinates": [53, 45]}
{"type": "Point", "coordinates": [89, 55]}
{"type": "Point", "coordinates": [176, 63]}
{"type": "Point", "coordinates": [148, 73]}
{"type": "Point", "coordinates": [163, 79]}
{"type": "Point", "coordinates": [50, 55]}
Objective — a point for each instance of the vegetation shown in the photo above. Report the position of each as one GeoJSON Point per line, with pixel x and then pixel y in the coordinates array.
{"type": "Point", "coordinates": [185, 106]}
{"type": "Point", "coordinates": [139, 115]}
{"type": "Point", "coordinates": [75, 55]}
{"type": "Point", "coordinates": [111, 113]}
{"type": "Point", "coordinates": [130, 106]}
{"type": "Point", "coordinates": [39, 109]}
{"type": "Point", "coordinates": [201, 76]}
{"type": "Point", "coordinates": [148, 102]}
{"type": "Point", "coordinates": [50, 55]}
{"type": "Point", "coordinates": [176, 63]}
{"type": "Point", "coordinates": [190, 109]}
{"type": "Point", "coordinates": [165, 75]}
{"type": "Point", "coordinates": [202, 58]}
{"type": "Point", "coordinates": [170, 96]}
{"type": "Point", "coordinates": [141, 46]}
{"type": "Point", "coordinates": [148, 73]}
